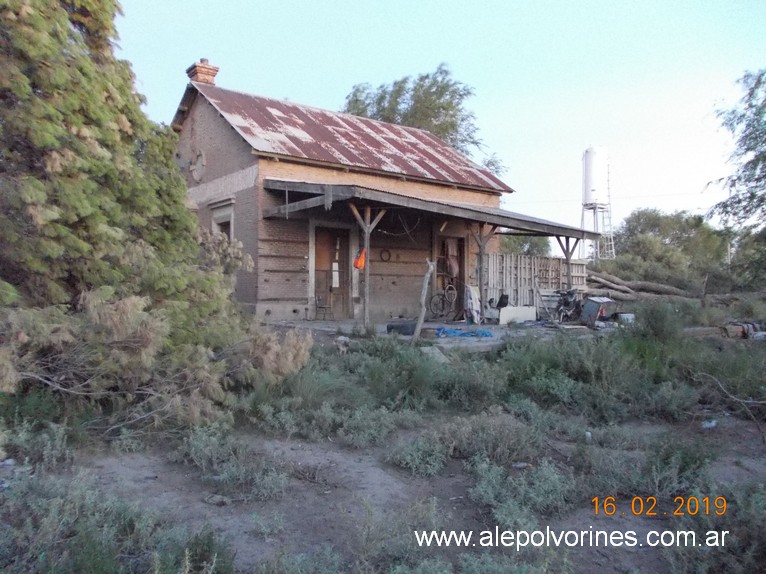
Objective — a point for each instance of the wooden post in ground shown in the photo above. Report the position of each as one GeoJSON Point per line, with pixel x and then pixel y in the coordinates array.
{"type": "Point", "coordinates": [568, 252]}
{"type": "Point", "coordinates": [367, 226]}
{"type": "Point", "coordinates": [481, 241]}
{"type": "Point", "coordinates": [423, 295]}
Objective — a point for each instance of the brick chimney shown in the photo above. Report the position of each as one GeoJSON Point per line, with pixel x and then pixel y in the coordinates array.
{"type": "Point", "coordinates": [202, 72]}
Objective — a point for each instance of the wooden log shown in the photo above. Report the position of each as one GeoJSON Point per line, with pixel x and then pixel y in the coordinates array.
{"type": "Point", "coordinates": [423, 295]}
{"type": "Point", "coordinates": [659, 288]}
{"type": "Point", "coordinates": [612, 278]}
{"type": "Point", "coordinates": [609, 284]}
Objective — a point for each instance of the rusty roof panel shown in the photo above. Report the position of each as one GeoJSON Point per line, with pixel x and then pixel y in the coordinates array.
{"type": "Point", "coordinates": [285, 128]}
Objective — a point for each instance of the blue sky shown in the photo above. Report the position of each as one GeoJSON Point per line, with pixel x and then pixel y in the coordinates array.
{"type": "Point", "coordinates": [551, 78]}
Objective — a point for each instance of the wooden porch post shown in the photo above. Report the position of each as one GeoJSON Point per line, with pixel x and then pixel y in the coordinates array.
{"type": "Point", "coordinates": [481, 241]}
{"type": "Point", "coordinates": [568, 252]}
{"type": "Point", "coordinates": [367, 227]}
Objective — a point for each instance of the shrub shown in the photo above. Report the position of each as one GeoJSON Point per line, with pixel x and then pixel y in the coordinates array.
{"type": "Point", "coordinates": [386, 538]}
{"type": "Point", "coordinates": [501, 439]}
{"type": "Point", "coordinates": [673, 467]}
{"type": "Point", "coordinates": [70, 526]}
{"type": "Point", "coordinates": [658, 321]}
{"type": "Point", "coordinates": [516, 500]}
{"type": "Point", "coordinates": [605, 470]}
{"type": "Point", "coordinates": [745, 547]}
{"type": "Point", "coordinates": [672, 400]}
{"type": "Point", "coordinates": [366, 427]}
{"type": "Point", "coordinates": [424, 456]}
{"type": "Point", "coordinates": [277, 356]}
{"type": "Point", "coordinates": [325, 561]}
{"type": "Point", "coordinates": [46, 448]}
{"type": "Point", "coordinates": [399, 376]}
{"type": "Point", "coordinates": [133, 362]}
{"type": "Point", "coordinates": [470, 384]}
{"type": "Point", "coordinates": [230, 465]}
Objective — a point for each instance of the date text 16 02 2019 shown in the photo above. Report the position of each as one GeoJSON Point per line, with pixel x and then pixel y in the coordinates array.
{"type": "Point", "coordinates": [647, 506]}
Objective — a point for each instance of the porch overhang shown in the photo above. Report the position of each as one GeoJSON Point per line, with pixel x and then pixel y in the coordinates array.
{"type": "Point", "coordinates": [325, 195]}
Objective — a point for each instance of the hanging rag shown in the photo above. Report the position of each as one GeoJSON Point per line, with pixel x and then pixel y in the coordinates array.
{"type": "Point", "coordinates": [360, 259]}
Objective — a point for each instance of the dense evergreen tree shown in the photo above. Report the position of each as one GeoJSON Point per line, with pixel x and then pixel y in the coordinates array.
{"type": "Point", "coordinates": [86, 180]}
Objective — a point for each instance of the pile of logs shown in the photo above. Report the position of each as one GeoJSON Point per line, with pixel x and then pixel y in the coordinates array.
{"type": "Point", "coordinates": [600, 284]}
{"type": "Point", "coordinates": [605, 285]}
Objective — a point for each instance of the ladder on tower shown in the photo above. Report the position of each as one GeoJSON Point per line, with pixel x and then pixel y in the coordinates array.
{"type": "Point", "coordinates": [606, 249]}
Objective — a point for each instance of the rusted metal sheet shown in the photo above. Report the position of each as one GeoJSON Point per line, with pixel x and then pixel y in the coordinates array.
{"type": "Point", "coordinates": [284, 128]}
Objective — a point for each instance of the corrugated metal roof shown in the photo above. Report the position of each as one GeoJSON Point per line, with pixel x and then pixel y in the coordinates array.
{"type": "Point", "coordinates": [284, 128]}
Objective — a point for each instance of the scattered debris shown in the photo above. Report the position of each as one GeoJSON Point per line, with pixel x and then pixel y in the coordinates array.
{"type": "Point", "coordinates": [451, 332]}
{"type": "Point", "coordinates": [744, 330]}
{"type": "Point", "coordinates": [707, 425]}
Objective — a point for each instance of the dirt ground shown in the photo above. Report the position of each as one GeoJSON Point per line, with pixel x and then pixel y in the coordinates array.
{"type": "Point", "coordinates": [338, 495]}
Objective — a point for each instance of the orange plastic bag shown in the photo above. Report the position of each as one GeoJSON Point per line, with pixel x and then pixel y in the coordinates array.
{"type": "Point", "coordinates": [360, 259]}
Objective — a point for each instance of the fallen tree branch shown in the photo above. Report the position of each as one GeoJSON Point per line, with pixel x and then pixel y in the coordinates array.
{"type": "Point", "coordinates": [743, 402]}
{"type": "Point", "coordinates": [609, 284]}
{"type": "Point", "coordinates": [607, 277]}
{"type": "Point", "coordinates": [659, 288]}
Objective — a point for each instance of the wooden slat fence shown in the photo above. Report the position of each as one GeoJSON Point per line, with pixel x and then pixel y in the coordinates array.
{"type": "Point", "coordinates": [515, 275]}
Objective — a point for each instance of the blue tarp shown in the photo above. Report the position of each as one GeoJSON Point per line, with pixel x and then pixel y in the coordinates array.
{"type": "Point", "coordinates": [446, 332]}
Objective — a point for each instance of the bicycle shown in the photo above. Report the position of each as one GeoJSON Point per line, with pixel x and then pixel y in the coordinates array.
{"type": "Point", "coordinates": [443, 304]}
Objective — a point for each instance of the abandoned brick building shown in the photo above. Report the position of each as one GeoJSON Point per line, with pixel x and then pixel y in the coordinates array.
{"type": "Point", "coordinates": [304, 189]}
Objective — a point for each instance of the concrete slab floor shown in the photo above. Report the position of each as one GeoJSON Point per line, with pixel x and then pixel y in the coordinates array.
{"type": "Point", "coordinates": [468, 344]}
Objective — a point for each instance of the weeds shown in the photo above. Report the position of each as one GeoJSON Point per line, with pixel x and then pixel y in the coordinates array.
{"type": "Point", "coordinates": [69, 526]}
{"type": "Point", "coordinates": [744, 550]}
{"type": "Point", "coordinates": [47, 448]}
{"type": "Point", "coordinates": [267, 526]}
{"type": "Point", "coordinates": [501, 439]}
{"type": "Point", "coordinates": [424, 456]}
{"type": "Point", "coordinates": [367, 427]}
{"type": "Point", "coordinates": [517, 500]}
{"type": "Point", "coordinates": [674, 467]}
{"type": "Point", "coordinates": [229, 465]}
{"type": "Point", "coordinates": [386, 539]}
{"type": "Point", "coordinates": [325, 561]}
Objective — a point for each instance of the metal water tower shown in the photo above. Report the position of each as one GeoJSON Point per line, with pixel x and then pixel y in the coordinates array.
{"type": "Point", "coordinates": [596, 203]}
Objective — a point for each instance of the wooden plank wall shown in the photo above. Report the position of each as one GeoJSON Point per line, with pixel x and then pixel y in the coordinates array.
{"type": "Point", "coordinates": [514, 274]}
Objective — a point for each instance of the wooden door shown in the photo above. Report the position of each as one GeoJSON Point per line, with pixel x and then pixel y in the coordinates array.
{"type": "Point", "coordinates": [331, 269]}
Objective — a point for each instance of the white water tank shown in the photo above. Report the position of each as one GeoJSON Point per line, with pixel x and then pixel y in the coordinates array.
{"type": "Point", "coordinates": [595, 176]}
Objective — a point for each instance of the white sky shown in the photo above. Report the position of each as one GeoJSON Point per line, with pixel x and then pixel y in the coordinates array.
{"type": "Point", "coordinates": [551, 78]}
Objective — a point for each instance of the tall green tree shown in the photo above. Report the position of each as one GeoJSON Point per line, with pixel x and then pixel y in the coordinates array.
{"type": "Point", "coordinates": [678, 248]}
{"type": "Point", "coordinates": [747, 122]}
{"type": "Point", "coordinates": [525, 245]}
{"type": "Point", "coordinates": [85, 177]}
{"type": "Point", "coordinates": [433, 102]}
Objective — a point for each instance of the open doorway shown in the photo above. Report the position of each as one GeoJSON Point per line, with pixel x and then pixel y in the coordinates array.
{"type": "Point", "coordinates": [331, 271]}
{"type": "Point", "coordinates": [450, 272]}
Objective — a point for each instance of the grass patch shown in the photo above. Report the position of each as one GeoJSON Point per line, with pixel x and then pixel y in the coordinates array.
{"type": "Point", "coordinates": [745, 548]}
{"type": "Point", "coordinates": [68, 526]}
{"type": "Point", "coordinates": [423, 456]}
{"type": "Point", "coordinates": [503, 439]}
{"type": "Point", "coordinates": [229, 465]}
{"type": "Point", "coordinates": [517, 500]}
